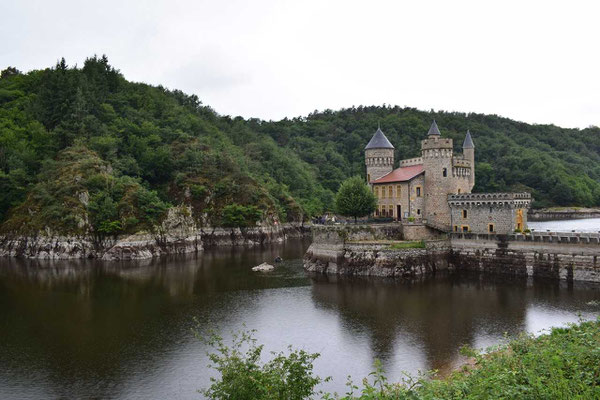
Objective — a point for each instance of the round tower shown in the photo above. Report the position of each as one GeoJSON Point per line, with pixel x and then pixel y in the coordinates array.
{"type": "Point", "coordinates": [469, 154]}
{"type": "Point", "coordinates": [439, 182]}
{"type": "Point", "coordinates": [379, 156]}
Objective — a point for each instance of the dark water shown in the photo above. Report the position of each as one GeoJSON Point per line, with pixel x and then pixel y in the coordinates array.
{"type": "Point", "coordinates": [106, 330]}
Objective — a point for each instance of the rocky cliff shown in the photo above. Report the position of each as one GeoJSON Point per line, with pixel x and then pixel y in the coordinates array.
{"type": "Point", "coordinates": [177, 234]}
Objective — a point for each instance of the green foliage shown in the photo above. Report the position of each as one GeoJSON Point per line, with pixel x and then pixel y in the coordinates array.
{"type": "Point", "coordinates": [243, 375]}
{"type": "Point", "coordinates": [182, 151]}
{"type": "Point", "coordinates": [563, 364]}
{"type": "Point", "coordinates": [354, 198]}
{"type": "Point", "coordinates": [238, 216]}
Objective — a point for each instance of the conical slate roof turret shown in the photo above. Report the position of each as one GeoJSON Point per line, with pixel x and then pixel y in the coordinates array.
{"type": "Point", "coordinates": [433, 129]}
{"type": "Point", "coordinates": [379, 141]}
{"type": "Point", "coordinates": [468, 143]}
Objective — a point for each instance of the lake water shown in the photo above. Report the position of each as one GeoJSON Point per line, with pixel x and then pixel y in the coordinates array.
{"type": "Point", "coordinates": [578, 225]}
{"type": "Point", "coordinates": [87, 329]}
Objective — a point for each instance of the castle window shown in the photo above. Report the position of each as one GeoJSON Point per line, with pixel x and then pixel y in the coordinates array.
{"type": "Point", "coordinates": [464, 214]}
{"type": "Point", "coordinates": [455, 228]}
{"type": "Point", "coordinates": [445, 172]}
{"type": "Point", "coordinates": [465, 228]}
{"type": "Point", "coordinates": [418, 211]}
{"type": "Point", "coordinates": [490, 228]}
{"type": "Point", "coordinates": [383, 192]}
{"type": "Point", "coordinates": [390, 191]}
{"type": "Point", "coordinates": [397, 190]}
{"type": "Point", "coordinates": [418, 191]}
{"type": "Point", "coordinates": [376, 191]}
{"type": "Point", "coordinates": [458, 191]}
{"type": "Point", "coordinates": [391, 210]}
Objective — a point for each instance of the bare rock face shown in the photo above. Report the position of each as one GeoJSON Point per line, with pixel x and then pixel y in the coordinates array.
{"type": "Point", "coordinates": [178, 233]}
{"type": "Point", "coordinates": [264, 267]}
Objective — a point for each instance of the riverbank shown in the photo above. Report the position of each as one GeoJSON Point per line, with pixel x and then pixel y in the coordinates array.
{"type": "Point", "coordinates": [562, 213]}
{"type": "Point", "coordinates": [145, 245]}
{"type": "Point", "coordinates": [564, 363]}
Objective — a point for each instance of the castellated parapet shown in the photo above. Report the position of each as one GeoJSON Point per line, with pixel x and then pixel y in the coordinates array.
{"type": "Point", "coordinates": [496, 213]}
{"type": "Point", "coordinates": [379, 162]}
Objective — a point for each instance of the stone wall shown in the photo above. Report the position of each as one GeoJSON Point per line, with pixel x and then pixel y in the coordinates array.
{"type": "Point", "coordinates": [367, 251]}
{"type": "Point", "coordinates": [379, 162]}
{"type": "Point", "coordinates": [566, 256]}
{"type": "Point", "coordinates": [500, 213]}
{"type": "Point", "coordinates": [570, 256]}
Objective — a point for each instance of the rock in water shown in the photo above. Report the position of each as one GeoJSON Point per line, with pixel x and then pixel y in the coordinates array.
{"type": "Point", "coordinates": [263, 267]}
{"type": "Point", "coordinates": [278, 259]}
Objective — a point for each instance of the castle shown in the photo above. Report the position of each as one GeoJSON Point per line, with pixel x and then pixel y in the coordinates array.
{"type": "Point", "coordinates": [435, 189]}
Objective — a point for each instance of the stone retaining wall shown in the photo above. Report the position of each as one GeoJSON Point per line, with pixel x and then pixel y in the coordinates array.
{"type": "Point", "coordinates": [568, 256]}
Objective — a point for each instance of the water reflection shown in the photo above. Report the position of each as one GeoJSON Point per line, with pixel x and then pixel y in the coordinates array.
{"type": "Point", "coordinates": [91, 329]}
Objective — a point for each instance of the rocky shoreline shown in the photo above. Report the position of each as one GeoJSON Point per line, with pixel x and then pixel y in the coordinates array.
{"type": "Point", "coordinates": [144, 246]}
{"type": "Point", "coordinates": [554, 214]}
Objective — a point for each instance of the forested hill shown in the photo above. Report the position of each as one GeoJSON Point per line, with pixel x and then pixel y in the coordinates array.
{"type": "Point", "coordinates": [84, 150]}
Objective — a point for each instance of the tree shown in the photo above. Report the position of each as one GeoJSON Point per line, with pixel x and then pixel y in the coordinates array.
{"type": "Point", "coordinates": [238, 216]}
{"type": "Point", "coordinates": [354, 198]}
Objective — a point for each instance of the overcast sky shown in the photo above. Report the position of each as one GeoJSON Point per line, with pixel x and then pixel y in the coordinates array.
{"type": "Point", "coordinates": [532, 61]}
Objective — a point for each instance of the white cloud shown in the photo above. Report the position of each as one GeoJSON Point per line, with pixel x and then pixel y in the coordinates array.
{"type": "Point", "coordinates": [534, 61]}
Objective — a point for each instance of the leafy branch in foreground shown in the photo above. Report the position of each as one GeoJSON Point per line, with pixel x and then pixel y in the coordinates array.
{"type": "Point", "coordinates": [243, 376]}
{"type": "Point", "coordinates": [564, 363]}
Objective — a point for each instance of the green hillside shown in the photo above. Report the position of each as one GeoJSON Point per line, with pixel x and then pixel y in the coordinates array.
{"type": "Point", "coordinates": [84, 150]}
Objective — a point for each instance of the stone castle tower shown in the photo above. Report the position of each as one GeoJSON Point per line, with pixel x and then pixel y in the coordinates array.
{"type": "Point", "coordinates": [419, 188]}
{"type": "Point", "coordinates": [445, 173]}
{"type": "Point", "coordinates": [379, 156]}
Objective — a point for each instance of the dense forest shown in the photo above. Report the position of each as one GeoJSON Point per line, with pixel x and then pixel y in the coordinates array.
{"type": "Point", "coordinates": [83, 150]}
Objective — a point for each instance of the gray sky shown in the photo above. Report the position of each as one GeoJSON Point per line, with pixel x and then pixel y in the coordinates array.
{"type": "Point", "coordinates": [534, 61]}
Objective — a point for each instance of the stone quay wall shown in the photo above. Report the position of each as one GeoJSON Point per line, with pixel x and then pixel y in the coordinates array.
{"type": "Point", "coordinates": [370, 252]}
{"type": "Point", "coordinates": [569, 256]}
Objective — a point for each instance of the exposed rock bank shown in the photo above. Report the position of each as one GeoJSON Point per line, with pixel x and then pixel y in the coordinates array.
{"type": "Point", "coordinates": [174, 240]}
{"type": "Point", "coordinates": [554, 214]}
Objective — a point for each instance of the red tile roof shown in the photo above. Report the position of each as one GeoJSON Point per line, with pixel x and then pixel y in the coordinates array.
{"type": "Point", "coordinates": [402, 174]}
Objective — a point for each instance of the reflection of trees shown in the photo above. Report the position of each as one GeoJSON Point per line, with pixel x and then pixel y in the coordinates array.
{"type": "Point", "coordinates": [439, 313]}
{"type": "Point", "coordinates": [88, 321]}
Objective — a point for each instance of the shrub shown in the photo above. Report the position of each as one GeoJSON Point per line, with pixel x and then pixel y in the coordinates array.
{"type": "Point", "coordinates": [243, 376]}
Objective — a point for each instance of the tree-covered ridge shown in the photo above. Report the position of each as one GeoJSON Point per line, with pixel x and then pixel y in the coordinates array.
{"type": "Point", "coordinates": [69, 134]}
{"type": "Point", "coordinates": [559, 166]}
{"type": "Point", "coordinates": [167, 144]}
